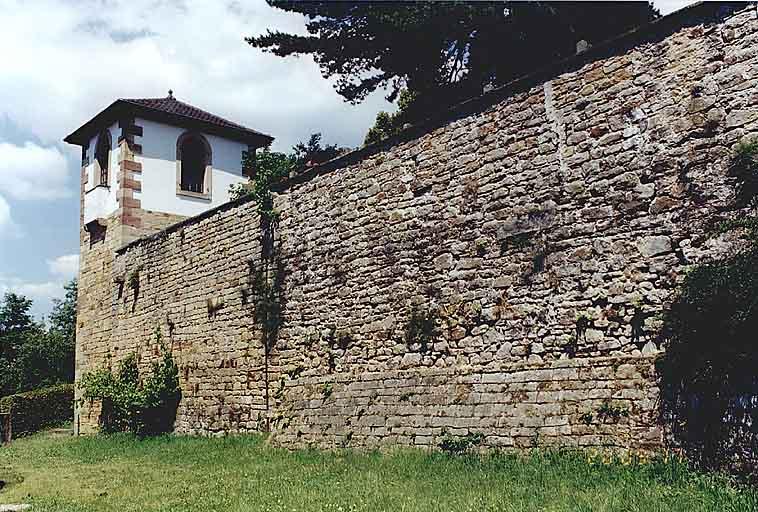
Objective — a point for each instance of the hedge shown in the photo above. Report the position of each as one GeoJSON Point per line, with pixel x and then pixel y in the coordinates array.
{"type": "Point", "coordinates": [34, 410]}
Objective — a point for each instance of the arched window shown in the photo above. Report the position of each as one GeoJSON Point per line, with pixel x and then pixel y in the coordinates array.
{"type": "Point", "coordinates": [102, 155]}
{"type": "Point", "coordinates": [193, 155]}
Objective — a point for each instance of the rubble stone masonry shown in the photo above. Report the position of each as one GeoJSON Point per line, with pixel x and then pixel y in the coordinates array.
{"type": "Point", "coordinates": [500, 272]}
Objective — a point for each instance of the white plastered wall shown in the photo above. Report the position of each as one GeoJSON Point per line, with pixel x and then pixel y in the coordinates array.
{"type": "Point", "coordinates": [158, 176]}
{"type": "Point", "coordinates": [99, 201]}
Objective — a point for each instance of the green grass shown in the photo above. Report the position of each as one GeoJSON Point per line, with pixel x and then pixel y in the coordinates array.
{"type": "Point", "coordinates": [121, 473]}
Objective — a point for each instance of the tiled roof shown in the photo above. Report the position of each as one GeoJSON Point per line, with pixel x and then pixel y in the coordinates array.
{"type": "Point", "coordinates": [171, 105]}
{"type": "Point", "coordinates": [167, 109]}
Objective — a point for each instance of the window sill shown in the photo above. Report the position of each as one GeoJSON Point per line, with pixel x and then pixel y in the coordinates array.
{"type": "Point", "coordinates": [196, 195]}
{"type": "Point", "coordinates": [107, 187]}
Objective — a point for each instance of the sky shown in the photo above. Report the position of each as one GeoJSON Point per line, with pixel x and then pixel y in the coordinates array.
{"type": "Point", "coordinates": [65, 60]}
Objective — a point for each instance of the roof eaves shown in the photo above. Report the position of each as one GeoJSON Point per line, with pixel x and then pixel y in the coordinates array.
{"type": "Point", "coordinates": [123, 106]}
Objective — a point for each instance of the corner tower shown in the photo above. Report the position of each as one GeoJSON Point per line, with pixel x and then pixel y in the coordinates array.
{"type": "Point", "coordinates": [146, 164]}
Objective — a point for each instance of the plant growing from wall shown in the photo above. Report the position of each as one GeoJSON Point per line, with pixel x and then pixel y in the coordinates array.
{"type": "Point", "coordinates": [459, 445]}
{"type": "Point", "coordinates": [267, 291]}
{"type": "Point", "coordinates": [271, 167]}
{"type": "Point", "coordinates": [267, 282]}
{"type": "Point", "coordinates": [583, 322]}
{"type": "Point", "coordinates": [133, 279]}
{"type": "Point", "coordinates": [421, 328]}
{"type": "Point", "coordinates": [131, 404]}
{"type": "Point", "coordinates": [518, 241]}
{"type": "Point", "coordinates": [611, 412]}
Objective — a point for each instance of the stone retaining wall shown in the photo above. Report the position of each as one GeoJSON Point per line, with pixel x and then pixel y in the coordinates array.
{"type": "Point", "coordinates": [535, 238]}
{"type": "Point", "coordinates": [602, 402]}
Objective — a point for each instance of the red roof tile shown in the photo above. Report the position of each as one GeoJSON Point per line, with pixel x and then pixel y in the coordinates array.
{"type": "Point", "coordinates": [169, 110]}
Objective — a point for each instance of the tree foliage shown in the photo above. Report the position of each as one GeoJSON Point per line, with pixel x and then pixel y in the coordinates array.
{"type": "Point", "coordinates": [272, 166]}
{"type": "Point", "coordinates": [63, 316]}
{"type": "Point", "coordinates": [709, 383]}
{"type": "Point", "coordinates": [744, 169]}
{"type": "Point", "coordinates": [308, 154]}
{"type": "Point", "coordinates": [442, 52]}
{"type": "Point", "coordinates": [388, 125]}
{"type": "Point", "coordinates": [33, 355]}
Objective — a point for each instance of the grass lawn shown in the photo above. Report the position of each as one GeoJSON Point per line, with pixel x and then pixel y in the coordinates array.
{"type": "Point", "coordinates": [121, 473]}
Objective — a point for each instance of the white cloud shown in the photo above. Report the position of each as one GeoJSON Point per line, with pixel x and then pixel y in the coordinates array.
{"type": "Point", "coordinates": [32, 172]}
{"type": "Point", "coordinates": [66, 266]}
{"type": "Point", "coordinates": [41, 293]}
{"type": "Point", "coordinates": [8, 228]}
{"type": "Point", "coordinates": [70, 60]}
{"type": "Point", "coordinates": [669, 6]}
{"type": "Point", "coordinates": [5, 215]}
{"type": "Point", "coordinates": [35, 291]}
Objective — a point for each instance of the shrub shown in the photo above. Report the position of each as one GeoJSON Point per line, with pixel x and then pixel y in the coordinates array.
{"type": "Point", "coordinates": [130, 404]}
{"type": "Point", "coordinates": [34, 410]}
{"type": "Point", "coordinates": [709, 384]}
{"type": "Point", "coordinates": [744, 168]}
{"type": "Point", "coordinates": [708, 381]}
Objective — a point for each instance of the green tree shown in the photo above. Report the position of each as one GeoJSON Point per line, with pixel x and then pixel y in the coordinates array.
{"type": "Point", "coordinates": [14, 319]}
{"type": "Point", "coordinates": [48, 356]}
{"type": "Point", "coordinates": [63, 317]}
{"type": "Point", "coordinates": [32, 356]}
{"type": "Point", "coordinates": [388, 125]}
{"type": "Point", "coordinates": [272, 166]}
{"type": "Point", "coordinates": [308, 154]}
{"type": "Point", "coordinates": [442, 52]}
{"type": "Point", "coordinates": [15, 326]}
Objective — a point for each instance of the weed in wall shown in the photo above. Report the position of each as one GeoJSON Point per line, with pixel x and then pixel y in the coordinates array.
{"type": "Point", "coordinates": [421, 328]}
{"type": "Point", "coordinates": [610, 412]}
{"type": "Point", "coordinates": [587, 418]}
{"type": "Point", "coordinates": [133, 279]}
{"type": "Point", "coordinates": [458, 445]}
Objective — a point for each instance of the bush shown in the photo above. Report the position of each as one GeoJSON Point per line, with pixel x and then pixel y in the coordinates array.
{"type": "Point", "coordinates": [38, 409]}
{"type": "Point", "coordinates": [708, 378]}
{"type": "Point", "coordinates": [132, 405]}
{"type": "Point", "coordinates": [709, 384]}
{"type": "Point", "coordinates": [744, 168]}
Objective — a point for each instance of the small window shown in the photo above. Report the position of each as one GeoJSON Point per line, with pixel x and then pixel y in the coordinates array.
{"type": "Point", "coordinates": [194, 159]}
{"type": "Point", "coordinates": [102, 155]}
{"type": "Point", "coordinates": [96, 230]}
